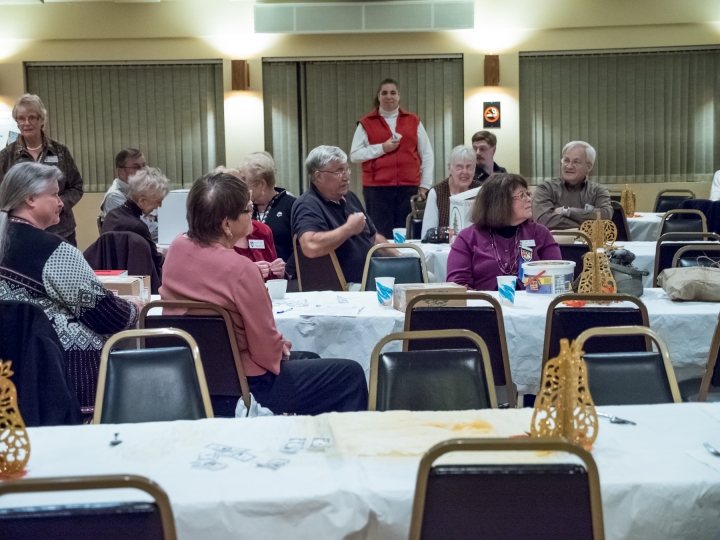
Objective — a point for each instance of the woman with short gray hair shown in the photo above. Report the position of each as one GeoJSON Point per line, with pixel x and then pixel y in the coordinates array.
{"type": "Point", "coordinates": [33, 145]}
{"type": "Point", "coordinates": [460, 168]}
{"type": "Point", "coordinates": [39, 267]}
{"type": "Point", "coordinates": [147, 189]}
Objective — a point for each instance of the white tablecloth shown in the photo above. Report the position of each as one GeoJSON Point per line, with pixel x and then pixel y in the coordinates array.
{"type": "Point", "coordinates": [657, 481]}
{"type": "Point", "coordinates": [645, 228]}
{"type": "Point", "coordinates": [686, 328]}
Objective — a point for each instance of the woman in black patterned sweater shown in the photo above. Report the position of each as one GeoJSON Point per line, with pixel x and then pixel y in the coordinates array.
{"type": "Point", "coordinates": [40, 267]}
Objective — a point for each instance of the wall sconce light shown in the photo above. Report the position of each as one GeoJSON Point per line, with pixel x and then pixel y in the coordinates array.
{"type": "Point", "coordinates": [492, 70]}
{"type": "Point", "coordinates": [240, 75]}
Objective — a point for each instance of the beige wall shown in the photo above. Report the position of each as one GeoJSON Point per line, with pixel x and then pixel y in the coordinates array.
{"type": "Point", "coordinates": [223, 29]}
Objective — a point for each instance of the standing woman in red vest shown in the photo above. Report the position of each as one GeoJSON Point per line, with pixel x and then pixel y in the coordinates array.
{"type": "Point", "coordinates": [396, 157]}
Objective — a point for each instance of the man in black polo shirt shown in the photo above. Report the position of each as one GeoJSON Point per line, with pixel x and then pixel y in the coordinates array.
{"type": "Point", "coordinates": [329, 216]}
{"type": "Point", "coordinates": [484, 143]}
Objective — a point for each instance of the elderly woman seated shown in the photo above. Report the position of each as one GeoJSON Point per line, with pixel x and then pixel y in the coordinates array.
{"type": "Point", "coordinates": [461, 167]}
{"type": "Point", "coordinates": [502, 236]}
{"type": "Point", "coordinates": [39, 267]}
{"type": "Point", "coordinates": [203, 265]}
{"type": "Point", "coordinates": [147, 189]}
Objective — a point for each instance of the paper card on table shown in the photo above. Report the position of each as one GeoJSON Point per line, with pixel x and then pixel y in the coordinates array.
{"type": "Point", "coordinates": [274, 464]}
{"type": "Point", "coordinates": [242, 456]}
{"type": "Point", "coordinates": [293, 446]}
{"type": "Point", "coordinates": [319, 443]}
{"type": "Point", "coordinates": [224, 449]}
{"type": "Point", "coordinates": [208, 460]}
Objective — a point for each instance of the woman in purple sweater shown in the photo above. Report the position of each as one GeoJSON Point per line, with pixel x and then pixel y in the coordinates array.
{"type": "Point", "coordinates": [502, 238]}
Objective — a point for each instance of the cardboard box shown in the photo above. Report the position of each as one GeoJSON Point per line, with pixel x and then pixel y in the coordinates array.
{"type": "Point", "coordinates": [127, 285]}
{"type": "Point", "coordinates": [406, 292]}
{"type": "Point", "coordinates": [461, 208]}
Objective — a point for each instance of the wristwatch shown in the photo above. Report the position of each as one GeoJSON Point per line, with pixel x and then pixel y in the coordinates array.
{"type": "Point", "coordinates": [566, 210]}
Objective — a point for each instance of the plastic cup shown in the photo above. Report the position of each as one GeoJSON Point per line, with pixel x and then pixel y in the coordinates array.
{"type": "Point", "coordinates": [385, 287]}
{"type": "Point", "coordinates": [399, 235]}
{"type": "Point", "coordinates": [277, 288]}
{"type": "Point", "coordinates": [506, 288]}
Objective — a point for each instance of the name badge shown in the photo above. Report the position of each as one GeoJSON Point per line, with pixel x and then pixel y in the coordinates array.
{"type": "Point", "coordinates": [257, 244]}
{"type": "Point", "coordinates": [527, 243]}
{"type": "Point", "coordinates": [51, 159]}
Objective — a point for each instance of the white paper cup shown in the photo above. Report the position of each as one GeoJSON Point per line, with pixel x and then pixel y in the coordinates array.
{"type": "Point", "coordinates": [506, 288]}
{"type": "Point", "coordinates": [277, 288]}
{"type": "Point", "coordinates": [399, 235]}
{"type": "Point", "coordinates": [385, 286]}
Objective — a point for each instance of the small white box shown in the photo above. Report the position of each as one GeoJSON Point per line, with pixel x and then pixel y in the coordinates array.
{"type": "Point", "coordinates": [461, 208]}
{"type": "Point", "coordinates": [172, 216]}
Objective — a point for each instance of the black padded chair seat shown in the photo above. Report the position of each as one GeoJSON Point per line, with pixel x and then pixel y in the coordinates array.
{"type": "Point", "coordinates": [114, 521]}
{"type": "Point", "coordinates": [438, 380]}
{"type": "Point", "coordinates": [151, 385]}
{"type": "Point", "coordinates": [700, 260]}
{"type": "Point", "coordinates": [414, 231]}
{"type": "Point", "coordinates": [574, 253]}
{"type": "Point", "coordinates": [666, 203]}
{"type": "Point", "coordinates": [627, 378]}
{"type": "Point", "coordinates": [682, 223]}
{"type": "Point", "coordinates": [501, 502]}
{"type": "Point", "coordinates": [690, 389]}
{"type": "Point", "coordinates": [403, 269]}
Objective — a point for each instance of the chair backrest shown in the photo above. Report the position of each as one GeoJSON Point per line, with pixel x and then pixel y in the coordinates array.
{"type": "Point", "coordinates": [437, 380]}
{"type": "Point", "coordinates": [615, 195]}
{"type": "Point", "coordinates": [712, 371]}
{"type": "Point", "coordinates": [214, 334]}
{"type": "Point", "coordinates": [418, 203]}
{"type": "Point", "coordinates": [99, 224]}
{"type": "Point", "coordinates": [413, 225]}
{"type": "Point", "coordinates": [683, 221]}
{"type": "Point", "coordinates": [403, 269]}
{"type": "Point", "coordinates": [496, 502]}
{"type": "Point", "coordinates": [670, 243]}
{"type": "Point", "coordinates": [485, 321]}
{"type": "Point", "coordinates": [568, 323]}
{"type": "Point", "coordinates": [689, 256]}
{"type": "Point", "coordinates": [46, 394]}
{"type": "Point", "coordinates": [665, 202]}
{"type": "Point", "coordinates": [629, 378]}
{"type": "Point", "coordinates": [620, 220]}
{"type": "Point", "coordinates": [109, 521]}
{"type": "Point", "coordinates": [151, 385]}
{"type": "Point", "coordinates": [573, 252]}
{"type": "Point", "coordinates": [319, 273]}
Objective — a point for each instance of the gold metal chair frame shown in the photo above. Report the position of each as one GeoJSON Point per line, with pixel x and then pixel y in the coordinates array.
{"type": "Point", "coordinates": [429, 334]}
{"type": "Point", "coordinates": [681, 191]}
{"type": "Point", "coordinates": [145, 333]}
{"type": "Point", "coordinates": [506, 445]}
{"type": "Point", "coordinates": [472, 295]}
{"type": "Point", "coordinates": [593, 298]}
{"type": "Point", "coordinates": [685, 249]}
{"type": "Point", "coordinates": [637, 330]}
{"type": "Point", "coordinates": [188, 304]}
{"type": "Point", "coordinates": [410, 216]}
{"type": "Point", "coordinates": [577, 234]}
{"type": "Point", "coordinates": [333, 258]}
{"type": "Point", "coordinates": [423, 262]}
{"type": "Point", "coordinates": [712, 360]}
{"type": "Point", "coordinates": [117, 481]}
{"type": "Point", "coordinates": [414, 200]}
{"type": "Point", "coordinates": [682, 237]}
{"type": "Point", "coordinates": [670, 213]}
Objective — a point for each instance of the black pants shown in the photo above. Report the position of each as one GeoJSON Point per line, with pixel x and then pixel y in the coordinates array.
{"type": "Point", "coordinates": [312, 386]}
{"type": "Point", "coordinates": [388, 207]}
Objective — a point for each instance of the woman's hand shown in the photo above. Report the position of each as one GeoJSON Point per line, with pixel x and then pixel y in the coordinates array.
{"type": "Point", "coordinates": [390, 145]}
{"type": "Point", "coordinates": [287, 346]}
{"type": "Point", "coordinates": [264, 268]}
{"type": "Point", "coordinates": [277, 267]}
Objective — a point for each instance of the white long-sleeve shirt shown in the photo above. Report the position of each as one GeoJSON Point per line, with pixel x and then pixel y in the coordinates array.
{"type": "Point", "coordinates": [431, 217]}
{"type": "Point", "coordinates": [715, 189]}
{"type": "Point", "coordinates": [362, 150]}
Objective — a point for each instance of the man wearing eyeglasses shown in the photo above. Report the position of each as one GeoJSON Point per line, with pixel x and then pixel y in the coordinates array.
{"type": "Point", "coordinates": [329, 216]}
{"type": "Point", "coordinates": [567, 201]}
{"type": "Point", "coordinates": [127, 163]}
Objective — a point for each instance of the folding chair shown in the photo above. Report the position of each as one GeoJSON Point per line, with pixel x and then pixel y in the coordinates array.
{"type": "Point", "coordinates": [620, 220]}
{"type": "Point", "coordinates": [403, 269]}
{"type": "Point", "coordinates": [663, 202]}
{"type": "Point", "coordinates": [683, 221]}
{"type": "Point", "coordinates": [413, 225]}
{"type": "Point", "coordinates": [706, 388]}
{"type": "Point", "coordinates": [670, 243]}
{"type": "Point", "coordinates": [319, 273]}
{"type": "Point", "coordinates": [689, 256]}
{"type": "Point", "coordinates": [574, 252]}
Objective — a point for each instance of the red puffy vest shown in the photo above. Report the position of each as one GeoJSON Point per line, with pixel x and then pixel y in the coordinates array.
{"type": "Point", "coordinates": [398, 168]}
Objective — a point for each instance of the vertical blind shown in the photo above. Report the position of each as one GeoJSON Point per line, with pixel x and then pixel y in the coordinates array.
{"type": "Point", "coordinates": [173, 113]}
{"type": "Point", "coordinates": [310, 103]}
{"type": "Point", "coordinates": [651, 116]}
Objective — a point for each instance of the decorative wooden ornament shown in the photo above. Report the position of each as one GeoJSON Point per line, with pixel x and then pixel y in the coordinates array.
{"type": "Point", "coordinates": [627, 201]}
{"type": "Point", "coordinates": [602, 232]}
{"type": "Point", "coordinates": [564, 406]}
{"type": "Point", "coordinates": [596, 277]}
{"type": "Point", "coordinates": [14, 440]}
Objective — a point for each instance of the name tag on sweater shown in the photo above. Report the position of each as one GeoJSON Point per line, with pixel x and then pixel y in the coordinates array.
{"type": "Point", "coordinates": [527, 243]}
{"type": "Point", "coordinates": [257, 244]}
{"type": "Point", "coordinates": [51, 159]}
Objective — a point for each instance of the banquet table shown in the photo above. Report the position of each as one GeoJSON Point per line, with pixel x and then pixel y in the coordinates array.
{"type": "Point", "coordinates": [657, 480]}
{"type": "Point", "coordinates": [349, 324]}
{"type": "Point", "coordinates": [645, 227]}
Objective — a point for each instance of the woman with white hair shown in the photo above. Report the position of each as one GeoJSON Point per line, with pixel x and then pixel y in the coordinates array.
{"type": "Point", "coordinates": [461, 168]}
{"type": "Point", "coordinates": [34, 145]}
{"type": "Point", "coordinates": [147, 189]}
{"type": "Point", "coordinates": [41, 268]}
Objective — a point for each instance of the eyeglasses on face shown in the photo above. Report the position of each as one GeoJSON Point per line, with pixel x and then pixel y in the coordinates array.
{"type": "Point", "coordinates": [527, 196]}
{"type": "Point", "coordinates": [32, 118]}
{"type": "Point", "coordinates": [339, 173]}
{"type": "Point", "coordinates": [574, 162]}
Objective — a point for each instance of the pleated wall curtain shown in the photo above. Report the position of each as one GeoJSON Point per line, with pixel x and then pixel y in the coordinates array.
{"type": "Point", "coordinates": [652, 116]}
{"type": "Point", "coordinates": [309, 103]}
{"type": "Point", "coordinates": [173, 113]}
